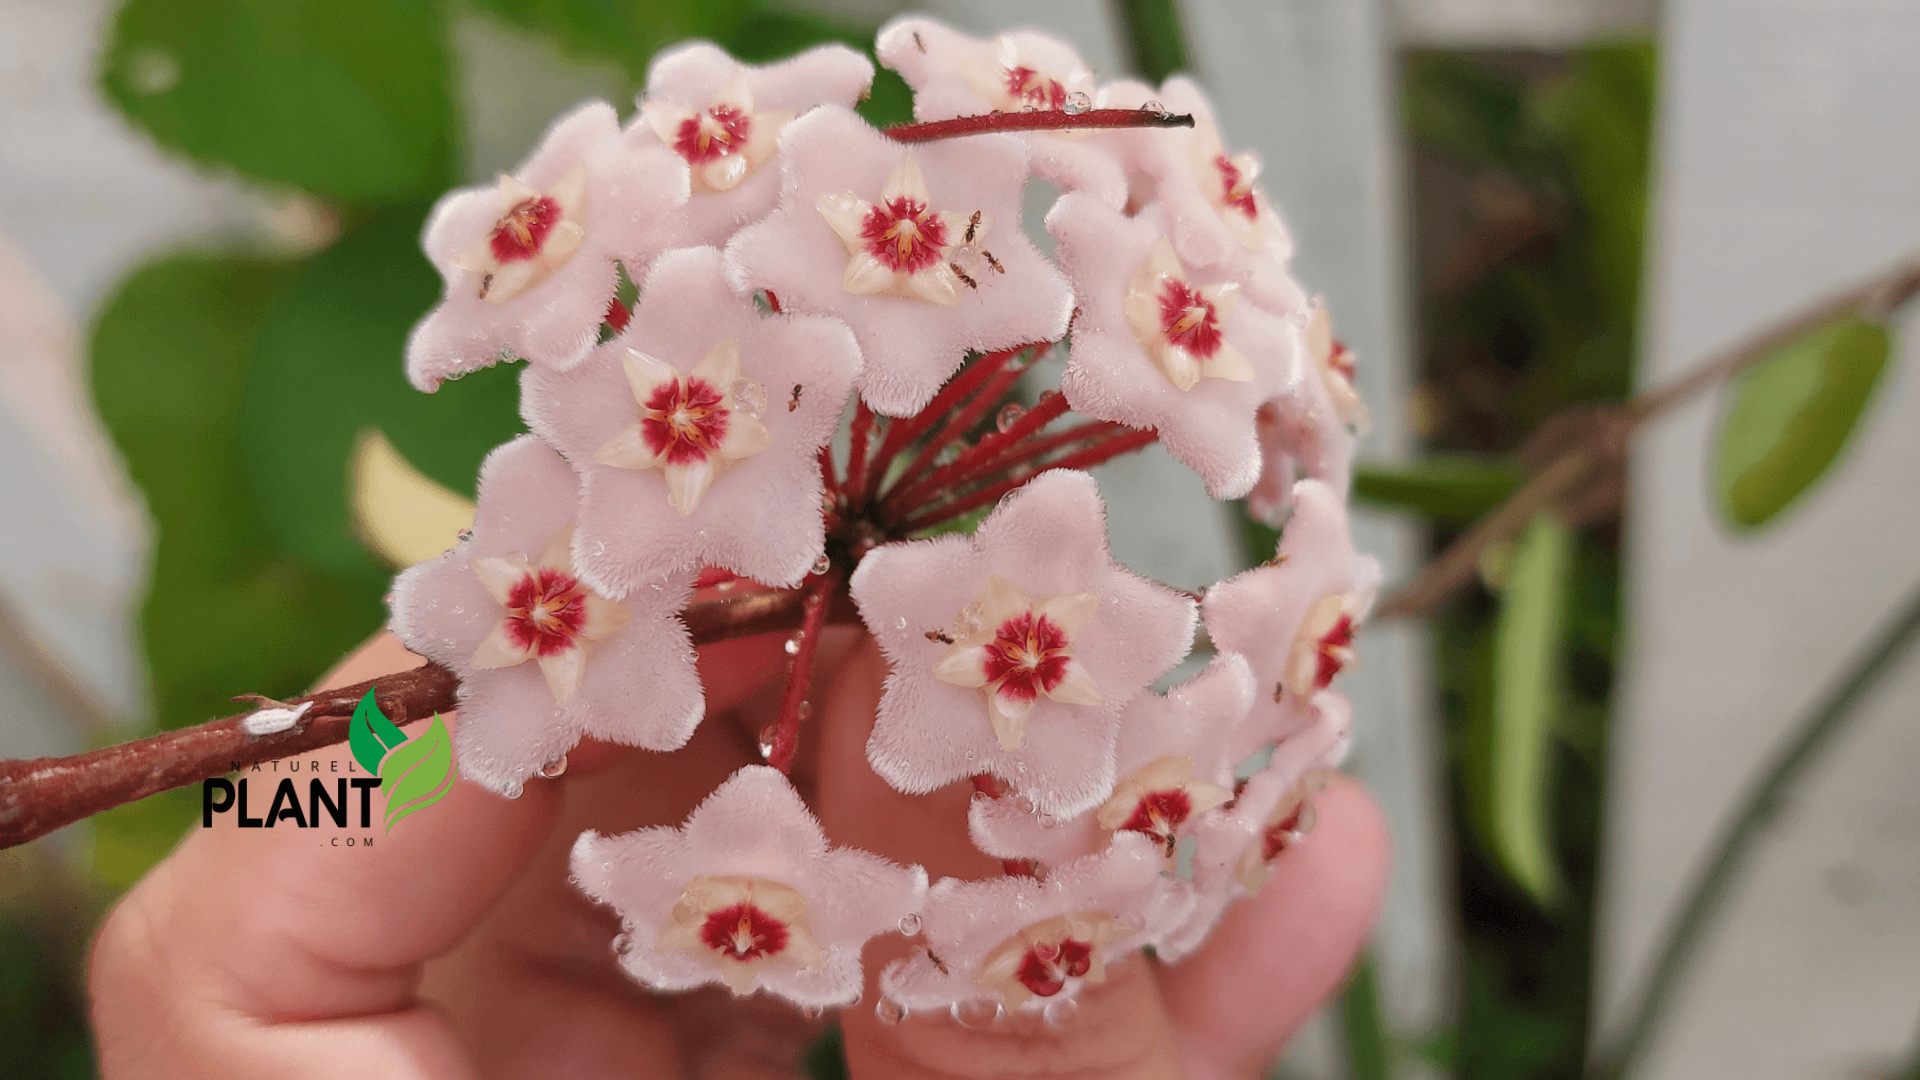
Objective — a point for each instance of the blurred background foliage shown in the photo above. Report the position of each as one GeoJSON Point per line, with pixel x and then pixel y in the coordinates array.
{"type": "Point", "coordinates": [235, 383]}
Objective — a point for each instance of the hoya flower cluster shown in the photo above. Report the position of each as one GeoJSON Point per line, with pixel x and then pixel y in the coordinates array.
{"type": "Point", "coordinates": [825, 378]}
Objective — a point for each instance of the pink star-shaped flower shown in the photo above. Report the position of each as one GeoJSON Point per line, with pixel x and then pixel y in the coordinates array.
{"type": "Point", "coordinates": [1309, 429]}
{"type": "Point", "coordinates": [1024, 942]}
{"type": "Point", "coordinates": [747, 893]}
{"type": "Point", "coordinates": [887, 239]}
{"type": "Point", "coordinates": [1235, 848]}
{"type": "Point", "coordinates": [1172, 758]}
{"type": "Point", "coordinates": [1015, 649]}
{"type": "Point", "coordinates": [1294, 618]}
{"type": "Point", "coordinates": [696, 432]}
{"type": "Point", "coordinates": [529, 263]}
{"type": "Point", "coordinates": [724, 119]}
{"type": "Point", "coordinates": [955, 75]}
{"type": "Point", "coordinates": [1218, 217]}
{"type": "Point", "coordinates": [1159, 345]}
{"type": "Point", "coordinates": [543, 658]}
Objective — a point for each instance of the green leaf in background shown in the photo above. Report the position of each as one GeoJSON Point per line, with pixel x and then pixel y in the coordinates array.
{"type": "Point", "coordinates": [624, 31]}
{"type": "Point", "coordinates": [1455, 490]}
{"type": "Point", "coordinates": [342, 98]}
{"type": "Point", "coordinates": [417, 772]}
{"type": "Point", "coordinates": [226, 611]}
{"type": "Point", "coordinates": [330, 362]}
{"type": "Point", "coordinates": [370, 735]}
{"type": "Point", "coordinates": [1791, 415]}
{"type": "Point", "coordinates": [1509, 777]}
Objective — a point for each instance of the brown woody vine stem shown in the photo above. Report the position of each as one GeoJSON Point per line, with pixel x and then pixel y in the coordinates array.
{"type": "Point", "coordinates": [1037, 120]}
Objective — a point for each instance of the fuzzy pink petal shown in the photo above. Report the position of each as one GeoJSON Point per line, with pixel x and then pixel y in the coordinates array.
{"type": "Point", "coordinates": [761, 517]}
{"type": "Point", "coordinates": [911, 346]}
{"type": "Point", "coordinates": [1301, 435]}
{"type": "Point", "coordinates": [1257, 613]}
{"type": "Point", "coordinates": [965, 920]}
{"type": "Point", "coordinates": [1111, 376]}
{"type": "Point", "coordinates": [1047, 539]}
{"type": "Point", "coordinates": [753, 825]}
{"type": "Point", "coordinates": [631, 194]}
{"type": "Point", "coordinates": [639, 687]}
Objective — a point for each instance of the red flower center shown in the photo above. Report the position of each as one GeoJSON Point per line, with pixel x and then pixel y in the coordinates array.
{"type": "Point", "coordinates": [683, 420]}
{"type": "Point", "coordinates": [1045, 969]}
{"type": "Point", "coordinates": [522, 231]}
{"type": "Point", "coordinates": [1334, 646]}
{"type": "Point", "coordinates": [545, 611]}
{"type": "Point", "coordinates": [714, 133]}
{"type": "Point", "coordinates": [1188, 319]}
{"type": "Point", "coordinates": [1281, 834]}
{"type": "Point", "coordinates": [904, 234]}
{"type": "Point", "coordinates": [1237, 188]}
{"type": "Point", "coordinates": [1027, 656]}
{"type": "Point", "coordinates": [1340, 359]}
{"type": "Point", "coordinates": [1160, 814]}
{"type": "Point", "coordinates": [1029, 86]}
{"type": "Point", "coordinates": [744, 932]}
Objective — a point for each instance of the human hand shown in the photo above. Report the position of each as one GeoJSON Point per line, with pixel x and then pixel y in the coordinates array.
{"type": "Point", "coordinates": [455, 947]}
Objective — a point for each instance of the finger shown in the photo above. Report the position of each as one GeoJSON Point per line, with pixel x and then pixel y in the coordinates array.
{"type": "Point", "coordinates": [1278, 955]}
{"type": "Point", "coordinates": [244, 935]}
{"type": "Point", "coordinates": [1120, 1030]}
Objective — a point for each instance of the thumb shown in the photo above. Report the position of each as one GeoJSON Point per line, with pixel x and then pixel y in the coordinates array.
{"type": "Point", "coordinates": [1121, 1029]}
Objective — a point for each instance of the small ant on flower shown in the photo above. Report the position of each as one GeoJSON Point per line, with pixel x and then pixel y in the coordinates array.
{"type": "Point", "coordinates": [940, 636]}
{"type": "Point", "coordinates": [794, 401]}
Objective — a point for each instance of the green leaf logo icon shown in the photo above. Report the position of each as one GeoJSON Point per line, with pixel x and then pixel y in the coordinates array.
{"type": "Point", "coordinates": [417, 773]}
{"type": "Point", "coordinates": [370, 734]}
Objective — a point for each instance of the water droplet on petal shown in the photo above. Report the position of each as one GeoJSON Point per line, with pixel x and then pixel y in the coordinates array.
{"type": "Point", "coordinates": [976, 1013]}
{"type": "Point", "coordinates": [805, 710]}
{"type": "Point", "coordinates": [822, 564]}
{"type": "Point", "coordinates": [1009, 415]}
{"type": "Point", "coordinates": [512, 792]}
{"type": "Point", "coordinates": [1154, 108]}
{"type": "Point", "coordinates": [554, 769]}
{"type": "Point", "coordinates": [749, 397]}
{"type": "Point", "coordinates": [622, 944]}
{"type": "Point", "coordinates": [1132, 922]}
{"type": "Point", "coordinates": [1060, 1012]}
{"type": "Point", "coordinates": [793, 645]}
{"type": "Point", "coordinates": [889, 1011]}
{"type": "Point", "coordinates": [948, 453]}
{"type": "Point", "coordinates": [910, 924]}
{"type": "Point", "coordinates": [812, 1012]}
{"type": "Point", "coordinates": [606, 867]}
{"type": "Point", "coordinates": [767, 735]}
{"type": "Point", "coordinates": [1077, 103]}
{"type": "Point", "coordinates": [900, 623]}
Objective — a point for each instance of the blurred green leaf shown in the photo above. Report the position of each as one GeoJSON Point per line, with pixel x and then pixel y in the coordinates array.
{"type": "Point", "coordinates": [226, 611]}
{"type": "Point", "coordinates": [1447, 489]}
{"type": "Point", "coordinates": [330, 362]}
{"type": "Point", "coordinates": [1791, 415]}
{"type": "Point", "coordinates": [416, 773]}
{"type": "Point", "coordinates": [370, 735]}
{"type": "Point", "coordinates": [1513, 772]}
{"type": "Point", "coordinates": [825, 1057]}
{"type": "Point", "coordinates": [1363, 1024]}
{"type": "Point", "coordinates": [343, 98]}
{"type": "Point", "coordinates": [627, 32]}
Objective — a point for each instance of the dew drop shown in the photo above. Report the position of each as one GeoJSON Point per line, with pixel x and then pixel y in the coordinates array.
{"type": "Point", "coordinates": [889, 1011]}
{"type": "Point", "coordinates": [793, 645]}
{"type": "Point", "coordinates": [606, 867]}
{"type": "Point", "coordinates": [900, 623]}
{"type": "Point", "coordinates": [767, 735]}
{"type": "Point", "coordinates": [812, 1012]}
{"type": "Point", "coordinates": [554, 769]}
{"type": "Point", "coordinates": [805, 710]}
{"type": "Point", "coordinates": [726, 586]}
{"type": "Point", "coordinates": [622, 944]}
{"type": "Point", "coordinates": [976, 1013]}
{"type": "Point", "coordinates": [910, 924]}
{"type": "Point", "coordinates": [1009, 415]}
{"type": "Point", "coordinates": [1154, 108]}
{"type": "Point", "coordinates": [1077, 103]}
{"type": "Point", "coordinates": [948, 453]}
{"type": "Point", "coordinates": [1132, 922]}
{"type": "Point", "coordinates": [749, 397]}
{"type": "Point", "coordinates": [822, 564]}
{"type": "Point", "coordinates": [1060, 1012]}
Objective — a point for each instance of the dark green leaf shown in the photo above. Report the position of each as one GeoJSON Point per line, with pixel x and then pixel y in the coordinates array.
{"type": "Point", "coordinates": [343, 98]}
{"type": "Point", "coordinates": [625, 31]}
{"type": "Point", "coordinates": [1448, 489]}
{"type": "Point", "coordinates": [370, 734]}
{"type": "Point", "coordinates": [1529, 650]}
{"type": "Point", "coordinates": [1791, 415]}
{"type": "Point", "coordinates": [417, 772]}
{"type": "Point", "coordinates": [330, 364]}
{"type": "Point", "coordinates": [226, 611]}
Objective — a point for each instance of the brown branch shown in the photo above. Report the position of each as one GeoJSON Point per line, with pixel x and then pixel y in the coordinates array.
{"type": "Point", "coordinates": [1037, 120]}
{"type": "Point", "coordinates": [1609, 434]}
{"type": "Point", "coordinates": [43, 794]}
